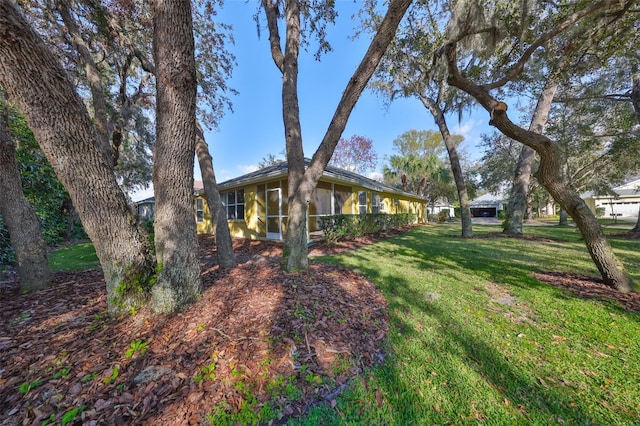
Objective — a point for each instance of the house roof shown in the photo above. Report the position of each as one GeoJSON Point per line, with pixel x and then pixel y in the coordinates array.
{"type": "Point", "coordinates": [198, 188]}
{"type": "Point", "coordinates": [630, 188]}
{"type": "Point", "coordinates": [488, 200]}
{"type": "Point", "coordinates": [340, 175]}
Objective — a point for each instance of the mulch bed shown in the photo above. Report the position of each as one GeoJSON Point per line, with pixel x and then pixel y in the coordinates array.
{"type": "Point", "coordinates": [254, 330]}
{"type": "Point", "coordinates": [589, 287]}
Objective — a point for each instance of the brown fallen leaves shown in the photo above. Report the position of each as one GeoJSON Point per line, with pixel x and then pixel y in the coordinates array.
{"type": "Point", "coordinates": [254, 330]}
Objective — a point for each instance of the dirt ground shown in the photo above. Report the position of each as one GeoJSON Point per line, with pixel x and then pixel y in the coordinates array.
{"type": "Point", "coordinates": [257, 339]}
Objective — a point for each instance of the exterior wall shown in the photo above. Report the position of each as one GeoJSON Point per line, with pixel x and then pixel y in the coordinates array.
{"type": "Point", "coordinates": [623, 206]}
{"type": "Point", "coordinates": [254, 225]}
{"type": "Point", "coordinates": [206, 226]}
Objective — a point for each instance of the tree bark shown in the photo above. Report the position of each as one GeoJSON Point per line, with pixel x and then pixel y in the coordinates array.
{"type": "Point", "coordinates": [85, 59]}
{"type": "Point", "coordinates": [636, 228]}
{"type": "Point", "coordinates": [301, 182]}
{"type": "Point", "coordinates": [517, 204]}
{"type": "Point", "coordinates": [224, 243]}
{"type": "Point", "coordinates": [21, 220]}
{"type": "Point", "coordinates": [178, 283]}
{"type": "Point", "coordinates": [37, 83]}
{"type": "Point", "coordinates": [564, 218]}
{"type": "Point", "coordinates": [456, 168]}
{"type": "Point", "coordinates": [549, 175]}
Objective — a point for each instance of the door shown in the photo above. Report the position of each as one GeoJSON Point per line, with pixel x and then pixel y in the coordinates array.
{"type": "Point", "coordinates": [274, 214]}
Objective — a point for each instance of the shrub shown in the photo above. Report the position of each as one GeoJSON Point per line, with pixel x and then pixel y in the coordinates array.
{"type": "Point", "coordinates": [342, 226]}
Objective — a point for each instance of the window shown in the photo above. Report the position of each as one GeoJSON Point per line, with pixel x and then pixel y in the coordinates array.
{"type": "Point", "coordinates": [375, 203]}
{"type": "Point", "coordinates": [362, 202]}
{"type": "Point", "coordinates": [234, 202]}
{"type": "Point", "coordinates": [341, 197]}
{"type": "Point", "coordinates": [199, 210]}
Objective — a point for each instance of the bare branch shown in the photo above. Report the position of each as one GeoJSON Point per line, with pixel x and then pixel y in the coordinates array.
{"type": "Point", "coordinates": [271, 10]}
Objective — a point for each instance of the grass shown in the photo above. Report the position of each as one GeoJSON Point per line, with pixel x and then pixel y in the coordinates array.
{"type": "Point", "coordinates": [77, 257]}
{"type": "Point", "coordinates": [603, 221]}
{"type": "Point", "coordinates": [475, 339]}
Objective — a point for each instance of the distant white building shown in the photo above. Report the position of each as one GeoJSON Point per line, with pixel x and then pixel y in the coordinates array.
{"type": "Point", "coordinates": [487, 205]}
{"type": "Point", "coordinates": [624, 203]}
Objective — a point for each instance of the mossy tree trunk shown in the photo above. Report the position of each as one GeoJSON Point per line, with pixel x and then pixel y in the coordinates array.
{"type": "Point", "coordinates": [35, 80]}
{"type": "Point", "coordinates": [178, 282]}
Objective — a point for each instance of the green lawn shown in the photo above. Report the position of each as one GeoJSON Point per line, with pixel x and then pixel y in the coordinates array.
{"type": "Point", "coordinates": [475, 339]}
{"type": "Point", "coordinates": [603, 221]}
{"type": "Point", "coordinates": [77, 257]}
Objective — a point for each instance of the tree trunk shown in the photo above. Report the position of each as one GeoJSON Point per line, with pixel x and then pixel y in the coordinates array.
{"type": "Point", "coordinates": [637, 227]}
{"type": "Point", "coordinates": [178, 282]}
{"type": "Point", "coordinates": [456, 168]}
{"type": "Point", "coordinates": [549, 175]}
{"type": "Point", "coordinates": [517, 204]}
{"type": "Point", "coordinates": [301, 182]}
{"type": "Point", "coordinates": [224, 244]}
{"type": "Point", "coordinates": [564, 218]}
{"type": "Point", "coordinates": [21, 220]}
{"type": "Point", "coordinates": [94, 80]}
{"type": "Point", "coordinates": [37, 83]}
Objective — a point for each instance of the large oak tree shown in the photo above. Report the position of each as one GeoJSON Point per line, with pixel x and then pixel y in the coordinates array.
{"type": "Point", "coordinates": [601, 16]}
{"type": "Point", "coordinates": [35, 80]}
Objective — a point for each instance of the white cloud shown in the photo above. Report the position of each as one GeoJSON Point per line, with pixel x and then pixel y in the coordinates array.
{"type": "Point", "coordinates": [244, 168]}
{"type": "Point", "coordinates": [377, 176]}
{"type": "Point", "coordinates": [142, 194]}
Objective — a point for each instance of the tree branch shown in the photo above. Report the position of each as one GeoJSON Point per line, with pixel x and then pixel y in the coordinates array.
{"type": "Point", "coordinates": [271, 10]}
{"type": "Point", "coordinates": [519, 66]}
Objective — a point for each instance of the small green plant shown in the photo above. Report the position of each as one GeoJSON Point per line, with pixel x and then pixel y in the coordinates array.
{"type": "Point", "coordinates": [314, 379]}
{"type": "Point", "coordinates": [71, 415]}
{"type": "Point", "coordinates": [201, 327]}
{"type": "Point", "coordinates": [89, 377]}
{"type": "Point", "coordinates": [115, 372]}
{"type": "Point", "coordinates": [137, 346]}
{"type": "Point", "coordinates": [206, 372]}
{"type": "Point", "coordinates": [49, 420]}
{"type": "Point", "coordinates": [99, 320]}
{"type": "Point", "coordinates": [19, 319]}
{"type": "Point", "coordinates": [62, 373]}
{"type": "Point", "coordinates": [27, 386]}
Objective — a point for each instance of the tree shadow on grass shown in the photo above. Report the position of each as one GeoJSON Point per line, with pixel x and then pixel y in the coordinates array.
{"type": "Point", "coordinates": [524, 397]}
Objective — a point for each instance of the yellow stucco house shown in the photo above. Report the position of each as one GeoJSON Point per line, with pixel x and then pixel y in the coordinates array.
{"type": "Point", "coordinates": [256, 203]}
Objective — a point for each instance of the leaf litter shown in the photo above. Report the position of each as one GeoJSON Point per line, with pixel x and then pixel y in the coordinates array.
{"type": "Point", "coordinates": [255, 331]}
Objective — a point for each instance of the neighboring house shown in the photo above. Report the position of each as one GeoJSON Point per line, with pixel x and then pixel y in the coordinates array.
{"type": "Point", "coordinates": [625, 202]}
{"type": "Point", "coordinates": [145, 209]}
{"type": "Point", "coordinates": [257, 202]}
{"type": "Point", "coordinates": [439, 206]}
{"type": "Point", "coordinates": [487, 205]}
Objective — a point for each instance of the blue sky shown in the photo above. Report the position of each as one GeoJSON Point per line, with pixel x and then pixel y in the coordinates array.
{"type": "Point", "coordinates": [255, 129]}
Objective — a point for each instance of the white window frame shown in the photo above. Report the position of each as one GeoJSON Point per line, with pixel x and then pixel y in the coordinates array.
{"type": "Point", "coordinates": [236, 205]}
{"type": "Point", "coordinates": [199, 210]}
{"type": "Point", "coordinates": [375, 202]}
{"type": "Point", "coordinates": [361, 206]}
